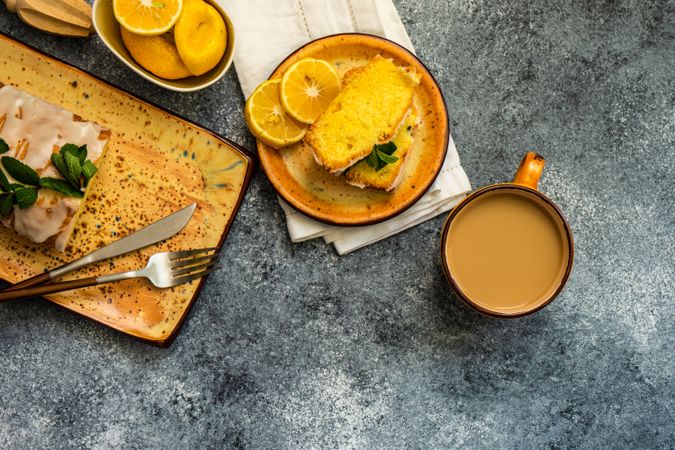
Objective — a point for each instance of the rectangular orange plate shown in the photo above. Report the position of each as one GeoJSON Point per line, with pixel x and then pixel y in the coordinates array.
{"type": "Point", "coordinates": [155, 163]}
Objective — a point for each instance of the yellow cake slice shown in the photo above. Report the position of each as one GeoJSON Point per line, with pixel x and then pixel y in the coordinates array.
{"type": "Point", "coordinates": [368, 110]}
{"type": "Point", "coordinates": [388, 177]}
{"type": "Point", "coordinates": [34, 129]}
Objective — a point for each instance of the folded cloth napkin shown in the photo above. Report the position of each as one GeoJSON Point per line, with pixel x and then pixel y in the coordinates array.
{"type": "Point", "coordinates": [266, 31]}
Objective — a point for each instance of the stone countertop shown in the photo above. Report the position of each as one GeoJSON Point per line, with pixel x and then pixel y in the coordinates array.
{"type": "Point", "coordinates": [291, 346]}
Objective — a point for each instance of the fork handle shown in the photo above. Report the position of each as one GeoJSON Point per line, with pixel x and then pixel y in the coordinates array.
{"type": "Point", "coordinates": [32, 281]}
{"type": "Point", "coordinates": [51, 288]}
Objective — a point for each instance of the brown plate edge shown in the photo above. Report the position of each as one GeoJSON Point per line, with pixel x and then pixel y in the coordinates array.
{"type": "Point", "coordinates": [446, 269]}
{"type": "Point", "coordinates": [248, 155]}
{"type": "Point", "coordinates": [422, 192]}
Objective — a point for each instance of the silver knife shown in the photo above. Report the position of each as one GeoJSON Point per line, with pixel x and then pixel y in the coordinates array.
{"type": "Point", "coordinates": [151, 234]}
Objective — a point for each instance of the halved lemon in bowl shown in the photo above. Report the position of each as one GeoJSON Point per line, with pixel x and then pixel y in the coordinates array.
{"type": "Point", "coordinates": [201, 36]}
{"type": "Point", "coordinates": [147, 17]}
{"type": "Point", "coordinates": [307, 88]}
{"type": "Point", "coordinates": [267, 119]}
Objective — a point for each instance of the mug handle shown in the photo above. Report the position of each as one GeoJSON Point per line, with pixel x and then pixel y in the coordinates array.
{"type": "Point", "coordinates": [530, 169]}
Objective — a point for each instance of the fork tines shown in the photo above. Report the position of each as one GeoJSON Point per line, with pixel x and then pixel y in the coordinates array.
{"type": "Point", "coordinates": [186, 253]}
{"type": "Point", "coordinates": [190, 265]}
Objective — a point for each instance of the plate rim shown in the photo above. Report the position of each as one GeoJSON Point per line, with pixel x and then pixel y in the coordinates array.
{"type": "Point", "coordinates": [250, 157]}
{"type": "Point", "coordinates": [422, 192]}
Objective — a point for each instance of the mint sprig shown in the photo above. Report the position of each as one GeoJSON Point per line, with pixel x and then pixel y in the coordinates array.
{"type": "Point", "coordinates": [382, 155]}
{"type": "Point", "coordinates": [72, 164]}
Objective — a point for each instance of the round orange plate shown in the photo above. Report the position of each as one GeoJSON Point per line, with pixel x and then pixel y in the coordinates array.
{"type": "Point", "coordinates": [312, 190]}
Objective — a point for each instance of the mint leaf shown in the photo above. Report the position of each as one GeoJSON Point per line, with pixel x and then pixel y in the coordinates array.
{"type": "Point", "coordinates": [60, 164]}
{"type": "Point", "coordinates": [387, 148]}
{"type": "Point", "coordinates": [88, 171]}
{"type": "Point", "coordinates": [381, 155]}
{"type": "Point", "coordinates": [69, 148]}
{"type": "Point", "coordinates": [62, 186]}
{"type": "Point", "coordinates": [25, 197]}
{"type": "Point", "coordinates": [74, 168]}
{"type": "Point", "coordinates": [387, 159]}
{"type": "Point", "coordinates": [4, 148]}
{"type": "Point", "coordinates": [4, 182]}
{"type": "Point", "coordinates": [20, 172]}
{"type": "Point", "coordinates": [79, 153]}
{"type": "Point", "coordinates": [6, 202]}
{"type": "Point", "coordinates": [82, 153]}
{"type": "Point", "coordinates": [72, 163]}
{"type": "Point", "coordinates": [372, 160]}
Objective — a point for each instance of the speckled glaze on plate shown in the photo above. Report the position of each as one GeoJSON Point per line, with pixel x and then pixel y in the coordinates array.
{"type": "Point", "coordinates": [310, 189]}
{"type": "Point", "coordinates": [155, 163]}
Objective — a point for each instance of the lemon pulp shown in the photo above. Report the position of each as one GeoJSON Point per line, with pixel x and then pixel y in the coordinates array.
{"type": "Point", "coordinates": [147, 17]}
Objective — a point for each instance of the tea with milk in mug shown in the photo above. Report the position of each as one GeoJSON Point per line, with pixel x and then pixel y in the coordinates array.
{"type": "Point", "coordinates": [507, 250]}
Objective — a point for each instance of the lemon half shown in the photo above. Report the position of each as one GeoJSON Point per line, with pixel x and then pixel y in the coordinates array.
{"type": "Point", "coordinates": [308, 87]}
{"type": "Point", "coordinates": [156, 54]}
{"type": "Point", "coordinates": [201, 36]}
{"type": "Point", "coordinates": [147, 17]}
{"type": "Point", "coordinates": [267, 119]}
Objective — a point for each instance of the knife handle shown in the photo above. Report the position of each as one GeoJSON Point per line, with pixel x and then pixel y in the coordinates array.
{"type": "Point", "coordinates": [50, 288]}
{"type": "Point", "coordinates": [37, 279]}
{"type": "Point", "coordinates": [53, 274]}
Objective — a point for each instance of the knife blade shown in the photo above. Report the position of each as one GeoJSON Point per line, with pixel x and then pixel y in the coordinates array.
{"type": "Point", "coordinates": [151, 234]}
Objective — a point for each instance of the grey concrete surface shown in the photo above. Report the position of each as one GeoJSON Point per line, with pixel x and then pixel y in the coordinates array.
{"type": "Point", "coordinates": [291, 346]}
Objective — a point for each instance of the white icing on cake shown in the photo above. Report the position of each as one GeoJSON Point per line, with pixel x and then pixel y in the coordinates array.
{"type": "Point", "coordinates": [34, 129]}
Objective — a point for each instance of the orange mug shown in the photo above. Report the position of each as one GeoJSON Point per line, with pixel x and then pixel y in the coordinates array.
{"type": "Point", "coordinates": [507, 249]}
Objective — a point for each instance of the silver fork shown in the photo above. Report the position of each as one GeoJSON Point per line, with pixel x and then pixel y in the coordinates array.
{"type": "Point", "coordinates": [164, 270]}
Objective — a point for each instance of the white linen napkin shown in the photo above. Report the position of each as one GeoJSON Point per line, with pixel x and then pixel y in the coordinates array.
{"type": "Point", "coordinates": [266, 31]}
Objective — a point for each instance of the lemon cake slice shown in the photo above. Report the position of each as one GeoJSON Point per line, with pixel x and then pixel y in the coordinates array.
{"type": "Point", "coordinates": [362, 174]}
{"type": "Point", "coordinates": [368, 110]}
{"type": "Point", "coordinates": [32, 130]}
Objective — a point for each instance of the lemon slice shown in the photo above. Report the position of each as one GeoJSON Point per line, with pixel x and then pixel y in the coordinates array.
{"type": "Point", "coordinates": [267, 119]}
{"type": "Point", "coordinates": [147, 17]}
{"type": "Point", "coordinates": [307, 87]}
